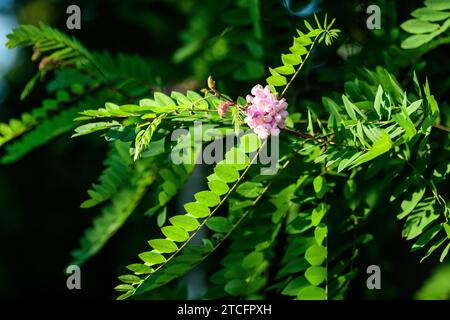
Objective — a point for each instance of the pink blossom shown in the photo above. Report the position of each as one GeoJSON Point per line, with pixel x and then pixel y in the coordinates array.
{"type": "Point", "coordinates": [223, 108]}
{"type": "Point", "coordinates": [265, 113]}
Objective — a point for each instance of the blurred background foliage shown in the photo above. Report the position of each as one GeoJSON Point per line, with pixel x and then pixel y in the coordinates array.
{"type": "Point", "coordinates": [184, 42]}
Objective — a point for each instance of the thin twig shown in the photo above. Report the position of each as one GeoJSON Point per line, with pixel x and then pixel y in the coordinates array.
{"type": "Point", "coordinates": [441, 127]}
{"type": "Point", "coordinates": [308, 136]}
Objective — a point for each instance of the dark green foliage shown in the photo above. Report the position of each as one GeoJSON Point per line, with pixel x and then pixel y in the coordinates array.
{"type": "Point", "coordinates": [44, 132]}
{"type": "Point", "coordinates": [114, 215]}
{"type": "Point", "coordinates": [118, 167]}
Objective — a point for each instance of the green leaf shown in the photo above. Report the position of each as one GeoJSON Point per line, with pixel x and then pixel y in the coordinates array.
{"type": "Point", "coordinates": [291, 59]}
{"type": "Point", "coordinates": [447, 229]}
{"type": "Point", "coordinates": [409, 205]}
{"type": "Point", "coordinates": [413, 107]}
{"type": "Point", "coordinates": [163, 100]}
{"type": "Point", "coordinates": [320, 232]}
{"type": "Point", "coordinates": [332, 108]}
{"type": "Point", "coordinates": [416, 41]}
{"type": "Point", "coordinates": [249, 189]}
{"type": "Point", "coordinates": [129, 278]}
{"type": "Point", "coordinates": [151, 258]}
{"type": "Point", "coordinates": [378, 100]}
{"type": "Point", "coordinates": [298, 225]}
{"type": "Point", "coordinates": [425, 238]}
{"type": "Point", "coordinates": [418, 26]}
{"type": "Point", "coordinates": [219, 224]}
{"type": "Point", "coordinates": [427, 14]}
{"type": "Point", "coordinates": [218, 187]}
{"type": "Point", "coordinates": [308, 26]}
{"type": "Point", "coordinates": [253, 260]}
{"type": "Point", "coordinates": [140, 268]}
{"type": "Point", "coordinates": [298, 49]}
{"type": "Point", "coordinates": [29, 86]}
{"type": "Point", "coordinates": [316, 275]}
{"type": "Point", "coordinates": [294, 286]}
{"type": "Point", "coordinates": [175, 233]}
{"type": "Point", "coordinates": [417, 222]}
{"type": "Point", "coordinates": [433, 248]}
{"type": "Point", "coordinates": [382, 145]}
{"type": "Point", "coordinates": [197, 209]}
{"type": "Point", "coordinates": [125, 295]}
{"type": "Point", "coordinates": [207, 198]}
{"type": "Point", "coordinates": [93, 127]}
{"type": "Point", "coordinates": [286, 70]}
{"type": "Point", "coordinates": [438, 4]}
{"type": "Point", "coordinates": [186, 222]}
{"type": "Point", "coordinates": [124, 287]}
{"type": "Point", "coordinates": [444, 253]}
{"type": "Point", "coordinates": [143, 138]}
{"type": "Point", "coordinates": [312, 293]}
{"type": "Point", "coordinates": [303, 40]}
{"type": "Point", "coordinates": [147, 103]}
{"type": "Point", "coordinates": [276, 80]}
{"type": "Point", "coordinates": [113, 177]}
{"type": "Point", "coordinates": [197, 100]}
{"type": "Point", "coordinates": [226, 172]}
{"type": "Point", "coordinates": [351, 108]}
{"type": "Point", "coordinates": [180, 98]}
{"type": "Point", "coordinates": [320, 186]}
{"type": "Point", "coordinates": [237, 158]}
{"type": "Point", "coordinates": [163, 245]}
{"type": "Point", "coordinates": [249, 142]}
{"type": "Point", "coordinates": [316, 254]}
{"type": "Point", "coordinates": [162, 216]}
{"type": "Point", "coordinates": [318, 213]}
{"type": "Point", "coordinates": [235, 287]}
{"type": "Point", "coordinates": [293, 266]}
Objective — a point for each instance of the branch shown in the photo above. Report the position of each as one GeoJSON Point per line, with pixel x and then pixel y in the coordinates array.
{"type": "Point", "coordinates": [441, 127]}
{"type": "Point", "coordinates": [307, 136]}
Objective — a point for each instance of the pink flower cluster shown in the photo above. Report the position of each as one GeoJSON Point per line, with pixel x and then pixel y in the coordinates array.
{"type": "Point", "coordinates": [223, 107]}
{"type": "Point", "coordinates": [265, 113]}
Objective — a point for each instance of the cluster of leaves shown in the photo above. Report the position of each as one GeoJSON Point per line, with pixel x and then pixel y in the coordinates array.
{"type": "Point", "coordinates": [388, 122]}
{"type": "Point", "coordinates": [300, 50]}
{"type": "Point", "coordinates": [429, 22]}
{"type": "Point", "coordinates": [183, 227]}
{"type": "Point", "coordinates": [297, 233]}
{"type": "Point", "coordinates": [80, 80]}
